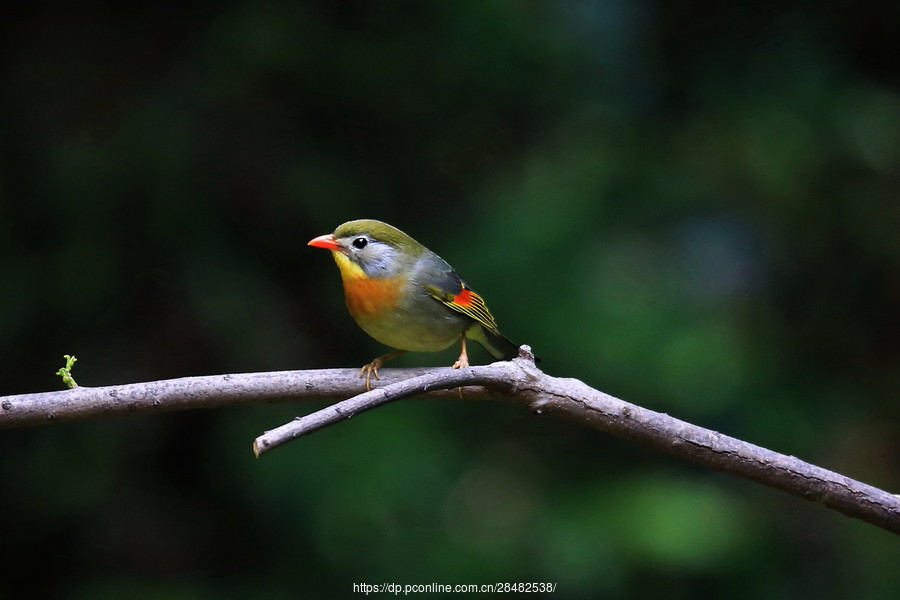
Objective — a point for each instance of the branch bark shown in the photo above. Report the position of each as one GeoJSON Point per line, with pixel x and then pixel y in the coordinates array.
{"type": "Point", "coordinates": [518, 381]}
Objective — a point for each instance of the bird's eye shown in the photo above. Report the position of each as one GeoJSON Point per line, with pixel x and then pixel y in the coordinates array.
{"type": "Point", "coordinates": [360, 243]}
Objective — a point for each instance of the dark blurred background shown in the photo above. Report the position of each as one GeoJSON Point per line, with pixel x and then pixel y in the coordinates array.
{"type": "Point", "coordinates": [692, 206]}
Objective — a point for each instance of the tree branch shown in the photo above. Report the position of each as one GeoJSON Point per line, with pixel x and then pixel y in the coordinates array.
{"type": "Point", "coordinates": [517, 381]}
{"type": "Point", "coordinates": [429, 382]}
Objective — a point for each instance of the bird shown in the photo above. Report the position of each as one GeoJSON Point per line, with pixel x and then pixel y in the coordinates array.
{"type": "Point", "coordinates": [407, 297]}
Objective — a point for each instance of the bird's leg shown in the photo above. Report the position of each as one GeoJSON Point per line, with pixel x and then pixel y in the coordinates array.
{"type": "Point", "coordinates": [463, 361]}
{"type": "Point", "coordinates": [372, 368]}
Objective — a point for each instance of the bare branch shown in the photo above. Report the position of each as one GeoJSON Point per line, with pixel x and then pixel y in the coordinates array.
{"type": "Point", "coordinates": [430, 382]}
{"type": "Point", "coordinates": [213, 391]}
{"type": "Point", "coordinates": [517, 381]}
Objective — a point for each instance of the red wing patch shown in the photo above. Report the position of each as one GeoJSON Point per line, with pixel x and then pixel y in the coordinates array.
{"type": "Point", "coordinates": [464, 298]}
{"type": "Point", "coordinates": [469, 303]}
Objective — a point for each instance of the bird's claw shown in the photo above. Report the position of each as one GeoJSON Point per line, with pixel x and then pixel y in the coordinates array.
{"type": "Point", "coordinates": [372, 368]}
{"type": "Point", "coordinates": [368, 370]}
{"type": "Point", "coordinates": [462, 363]}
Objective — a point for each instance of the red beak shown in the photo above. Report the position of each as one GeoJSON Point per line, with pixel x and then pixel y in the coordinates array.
{"type": "Point", "coordinates": [324, 241]}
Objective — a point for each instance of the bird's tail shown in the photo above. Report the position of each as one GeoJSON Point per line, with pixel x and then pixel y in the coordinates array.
{"type": "Point", "coordinates": [495, 343]}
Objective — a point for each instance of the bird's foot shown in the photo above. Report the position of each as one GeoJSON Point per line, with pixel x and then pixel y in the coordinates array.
{"type": "Point", "coordinates": [372, 368]}
{"type": "Point", "coordinates": [462, 363]}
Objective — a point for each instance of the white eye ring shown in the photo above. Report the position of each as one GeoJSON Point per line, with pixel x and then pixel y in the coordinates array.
{"type": "Point", "coordinates": [360, 243]}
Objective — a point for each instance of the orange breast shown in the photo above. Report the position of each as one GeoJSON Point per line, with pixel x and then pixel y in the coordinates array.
{"type": "Point", "coordinates": [367, 297]}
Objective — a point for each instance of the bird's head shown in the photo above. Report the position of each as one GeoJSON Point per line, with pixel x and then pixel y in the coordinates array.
{"type": "Point", "coordinates": [369, 248]}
